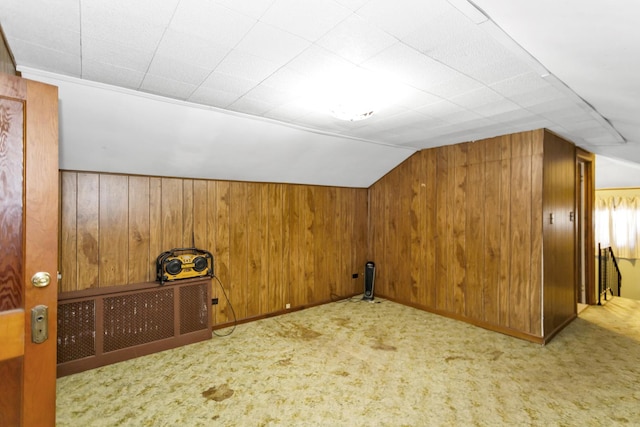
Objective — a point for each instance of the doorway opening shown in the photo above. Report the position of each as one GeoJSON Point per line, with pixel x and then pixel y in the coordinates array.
{"type": "Point", "coordinates": [584, 231]}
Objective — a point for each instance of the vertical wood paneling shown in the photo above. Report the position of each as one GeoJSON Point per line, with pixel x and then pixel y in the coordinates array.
{"type": "Point", "coordinates": [492, 228]}
{"type": "Point", "coordinates": [200, 215]}
{"type": "Point", "coordinates": [68, 231]}
{"type": "Point", "coordinates": [155, 224]}
{"type": "Point", "coordinates": [238, 278]}
{"type": "Point", "coordinates": [520, 245]}
{"type": "Point", "coordinates": [255, 249]}
{"type": "Point", "coordinates": [537, 168]}
{"type": "Point", "coordinates": [296, 278]}
{"type": "Point", "coordinates": [443, 239]}
{"type": "Point", "coordinates": [88, 230]}
{"type": "Point", "coordinates": [416, 227]}
{"type": "Point", "coordinates": [481, 220]}
{"type": "Point", "coordinates": [458, 256]}
{"type": "Point", "coordinates": [504, 294]}
{"type": "Point", "coordinates": [114, 223]}
{"type": "Point", "coordinates": [172, 208]}
{"type": "Point", "coordinates": [139, 230]}
{"type": "Point", "coordinates": [188, 235]}
{"type": "Point", "coordinates": [265, 238]}
{"type": "Point", "coordinates": [276, 258]}
{"type": "Point", "coordinates": [307, 243]}
{"type": "Point", "coordinates": [475, 232]}
{"type": "Point", "coordinates": [428, 186]}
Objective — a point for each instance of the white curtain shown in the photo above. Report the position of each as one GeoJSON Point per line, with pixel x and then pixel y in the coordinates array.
{"type": "Point", "coordinates": [618, 225]}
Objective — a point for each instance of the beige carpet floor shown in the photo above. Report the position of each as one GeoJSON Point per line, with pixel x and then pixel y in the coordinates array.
{"type": "Point", "coordinates": [367, 364]}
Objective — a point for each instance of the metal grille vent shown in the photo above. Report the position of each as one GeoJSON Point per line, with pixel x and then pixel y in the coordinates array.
{"type": "Point", "coordinates": [135, 319]}
{"type": "Point", "coordinates": [193, 308]}
{"type": "Point", "coordinates": [76, 330]}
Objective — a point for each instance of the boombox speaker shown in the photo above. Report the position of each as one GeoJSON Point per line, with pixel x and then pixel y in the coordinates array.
{"type": "Point", "coordinates": [183, 263]}
{"type": "Point", "coordinates": [369, 280]}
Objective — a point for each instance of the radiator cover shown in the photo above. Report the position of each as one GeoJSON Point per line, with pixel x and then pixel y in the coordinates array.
{"type": "Point", "coordinates": [97, 327]}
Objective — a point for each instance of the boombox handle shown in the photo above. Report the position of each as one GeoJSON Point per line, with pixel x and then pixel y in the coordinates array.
{"type": "Point", "coordinates": [173, 252]}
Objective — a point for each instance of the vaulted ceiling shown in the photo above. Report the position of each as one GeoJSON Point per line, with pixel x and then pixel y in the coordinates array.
{"type": "Point", "coordinates": [250, 90]}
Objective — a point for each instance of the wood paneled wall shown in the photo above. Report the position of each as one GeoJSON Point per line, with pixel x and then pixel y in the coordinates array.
{"type": "Point", "coordinates": [559, 237]}
{"type": "Point", "coordinates": [458, 230]}
{"type": "Point", "coordinates": [273, 244]}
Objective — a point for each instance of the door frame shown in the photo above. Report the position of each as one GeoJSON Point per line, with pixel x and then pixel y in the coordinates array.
{"type": "Point", "coordinates": [588, 160]}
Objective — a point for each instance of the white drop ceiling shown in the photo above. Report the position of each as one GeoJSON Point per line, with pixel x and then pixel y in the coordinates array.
{"type": "Point", "coordinates": [145, 84]}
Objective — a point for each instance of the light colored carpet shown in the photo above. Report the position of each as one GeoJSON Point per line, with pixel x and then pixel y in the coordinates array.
{"type": "Point", "coordinates": [367, 364]}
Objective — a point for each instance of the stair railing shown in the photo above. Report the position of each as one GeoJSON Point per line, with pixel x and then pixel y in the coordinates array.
{"type": "Point", "coordinates": [609, 277]}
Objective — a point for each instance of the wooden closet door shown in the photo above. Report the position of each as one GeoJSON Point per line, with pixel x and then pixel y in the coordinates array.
{"type": "Point", "coordinates": [29, 241]}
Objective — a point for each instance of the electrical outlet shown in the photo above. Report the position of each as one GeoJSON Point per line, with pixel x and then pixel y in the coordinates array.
{"type": "Point", "coordinates": [214, 301]}
{"type": "Point", "coordinates": [287, 306]}
{"type": "Point", "coordinates": [354, 276]}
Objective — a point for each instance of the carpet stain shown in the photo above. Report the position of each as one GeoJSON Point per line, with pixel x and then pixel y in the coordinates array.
{"type": "Point", "coordinates": [452, 358]}
{"type": "Point", "coordinates": [341, 321]}
{"type": "Point", "coordinates": [495, 355]}
{"type": "Point", "coordinates": [284, 362]}
{"type": "Point", "coordinates": [219, 393]}
{"type": "Point", "coordinates": [383, 346]}
{"type": "Point", "coordinates": [341, 373]}
{"type": "Point", "coordinates": [298, 331]}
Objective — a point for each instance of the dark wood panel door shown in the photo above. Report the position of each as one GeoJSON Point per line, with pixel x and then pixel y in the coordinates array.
{"type": "Point", "coordinates": [28, 237]}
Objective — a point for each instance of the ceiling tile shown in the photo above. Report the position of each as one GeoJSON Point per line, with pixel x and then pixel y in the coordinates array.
{"type": "Point", "coordinates": [251, 8]}
{"type": "Point", "coordinates": [110, 74]}
{"type": "Point", "coordinates": [228, 83]}
{"type": "Point", "coordinates": [149, 11]}
{"type": "Point", "coordinates": [167, 87]}
{"type": "Point", "coordinates": [316, 63]}
{"type": "Point", "coordinates": [44, 32]}
{"type": "Point", "coordinates": [268, 95]}
{"type": "Point", "coordinates": [213, 97]}
{"type": "Point", "coordinates": [268, 42]}
{"type": "Point", "coordinates": [36, 56]}
{"type": "Point", "coordinates": [519, 84]}
{"type": "Point", "coordinates": [211, 21]}
{"type": "Point", "coordinates": [356, 40]}
{"type": "Point", "coordinates": [54, 14]}
{"type": "Point", "coordinates": [401, 17]}
{"type": "Point", "coordinates": [101, 22]}
{"type": "Point", "coordinates": [409, 66]}
{"type": "Point", "coordinates": [245, 66]}
{"type": "Point", "coordinates": [456, 85]}
{"type": "Point", "coordinates": [477, 98]}
{"type": "Point", "coordinates": [189, 48]}
{"type": "Point", "coordinates": [353, 5]}
{"type": "Point", "coordinates": [251, 106]}
{"type": "Point", "coordinates": [410, 97]}
{"type": "Point", "coordinates": [289, 111]}
{"type": "Point", "coordinates": [309, 19]}
{"type": "Point", "coordinates": [173, 69]}
{"type": "Point", "coordinates": [116, 54]}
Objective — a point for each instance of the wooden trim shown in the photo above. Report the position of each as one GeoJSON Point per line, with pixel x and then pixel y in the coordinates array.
{"type": "Point", "coordinates": [548, 337]}
{"type": "Point", "coordinates": [12, 325]}
{"type": "Point", "coordinates": [491, 327]}
{"type": "Point", "coordinates": [280, 312]}
{"type": "Point", "coordinates": [588, 159]}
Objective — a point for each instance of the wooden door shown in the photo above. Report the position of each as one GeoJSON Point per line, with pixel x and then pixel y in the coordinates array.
{"type": "Point", "coordinates": [29, 242]}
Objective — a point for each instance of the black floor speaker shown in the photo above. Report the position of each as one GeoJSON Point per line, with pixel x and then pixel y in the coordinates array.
{"type": "Point", "coordinates": [369, 280]}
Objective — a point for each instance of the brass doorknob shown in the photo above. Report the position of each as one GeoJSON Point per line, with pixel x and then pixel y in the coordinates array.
{"type": "Point", "coordinates": [41, 279]}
